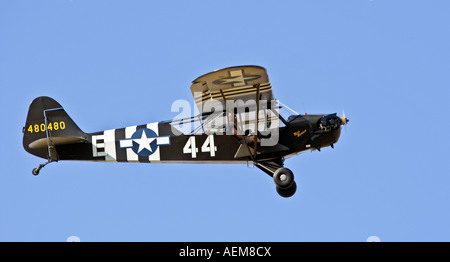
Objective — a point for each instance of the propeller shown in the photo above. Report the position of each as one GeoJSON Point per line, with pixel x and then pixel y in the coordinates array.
{"type": "Point", "coordinates": [344, 119]}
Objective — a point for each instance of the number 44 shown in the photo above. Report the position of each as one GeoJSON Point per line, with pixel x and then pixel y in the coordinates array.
{"type": "Point", "coordinates": [208, 146]}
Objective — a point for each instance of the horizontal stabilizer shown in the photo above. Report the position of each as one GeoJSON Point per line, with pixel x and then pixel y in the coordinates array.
{"type": "Point", "coordinates": [44, 142]}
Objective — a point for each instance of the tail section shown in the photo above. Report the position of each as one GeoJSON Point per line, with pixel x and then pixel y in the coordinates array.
{"type": "Point", "coordinates": [47, 127]}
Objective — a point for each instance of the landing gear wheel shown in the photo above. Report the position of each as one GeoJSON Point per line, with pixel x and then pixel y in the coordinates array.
{"type": "Point", "coordinates": [283, 178]}
{"type": "Point", "coordinates": [35, 171]}
{"type": "Point", "coordinates": [287, 192]}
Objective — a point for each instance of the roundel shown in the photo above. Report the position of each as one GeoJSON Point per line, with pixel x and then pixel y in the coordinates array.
{"type": "Point", "coordinates": [144, 142]}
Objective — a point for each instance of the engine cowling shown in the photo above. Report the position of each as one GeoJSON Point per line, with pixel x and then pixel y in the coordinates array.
{"type": "Point", "coordinates": [329, 122]}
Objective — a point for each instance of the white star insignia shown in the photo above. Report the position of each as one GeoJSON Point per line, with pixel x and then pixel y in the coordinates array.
{"type": "Point", "coordinates": [144, 142]}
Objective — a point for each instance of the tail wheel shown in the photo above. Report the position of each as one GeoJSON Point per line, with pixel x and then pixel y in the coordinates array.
{"type": "Point", "coordinates": [287, 192]}
{"type": "Point", "coordinates": [35, 171]}
{"type": "Point", "coordinates": [283, 178]}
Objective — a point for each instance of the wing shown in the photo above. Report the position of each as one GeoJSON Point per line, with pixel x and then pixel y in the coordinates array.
{"type": "Point", "coordinates": [232, 83]}
{"type": "Point", "coordinates": [245, 94]}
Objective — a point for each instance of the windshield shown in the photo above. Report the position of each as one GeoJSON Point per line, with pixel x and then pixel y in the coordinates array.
{"type": "Point", "coordinates": [286, 112]}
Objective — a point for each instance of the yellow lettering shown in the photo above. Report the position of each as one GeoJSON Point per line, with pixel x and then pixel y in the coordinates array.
{"type": "Point", "coordinates": [36, 128]}
{"type": "Point", "coordinates": [299, 134]}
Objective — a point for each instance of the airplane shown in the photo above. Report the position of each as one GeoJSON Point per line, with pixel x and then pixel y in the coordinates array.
{"type": "Point", "coordinates": [239, 122]}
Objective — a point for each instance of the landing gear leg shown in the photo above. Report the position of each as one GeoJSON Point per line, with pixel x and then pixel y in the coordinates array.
{"type": "Point", "coordinates": [36, 170]}
{"type": "Point", "coordinates": [52, 156]}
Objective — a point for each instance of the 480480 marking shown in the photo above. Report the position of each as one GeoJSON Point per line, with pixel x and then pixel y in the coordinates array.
{"type": "Point", "coordinates": [36, 128]}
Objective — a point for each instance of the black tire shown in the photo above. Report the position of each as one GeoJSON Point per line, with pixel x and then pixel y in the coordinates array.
{"type": "Point", "coordinates": [287, 192]}
{"type": "Point", "coordinates": [35, 171]}
{"type": "Point", "coordinates": [283, 178]}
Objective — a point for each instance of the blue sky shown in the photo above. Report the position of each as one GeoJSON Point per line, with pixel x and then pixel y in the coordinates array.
{"type": "Point", "coordinates": [113, 64]}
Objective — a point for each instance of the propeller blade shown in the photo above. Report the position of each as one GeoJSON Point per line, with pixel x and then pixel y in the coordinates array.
{"type": "Point", "coordinates": [344, 119]}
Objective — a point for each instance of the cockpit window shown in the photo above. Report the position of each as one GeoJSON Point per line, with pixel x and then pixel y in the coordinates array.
{"type": "Point", "coordinates": [286, 112]}
{"type": "Point", "coordinates": [210, 123]}
{"type": "Point", "coordinates": [245, 122]}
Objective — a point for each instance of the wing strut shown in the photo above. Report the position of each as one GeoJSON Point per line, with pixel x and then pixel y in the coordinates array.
{"type": "Point", "coordinates": [246, 145]}
{"type": "Point", "coordinates": [255, 138]}
{"type": "Point", "coordinates": [240, 131]}
{"type": "Point", "coordinates": [223, 97]}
